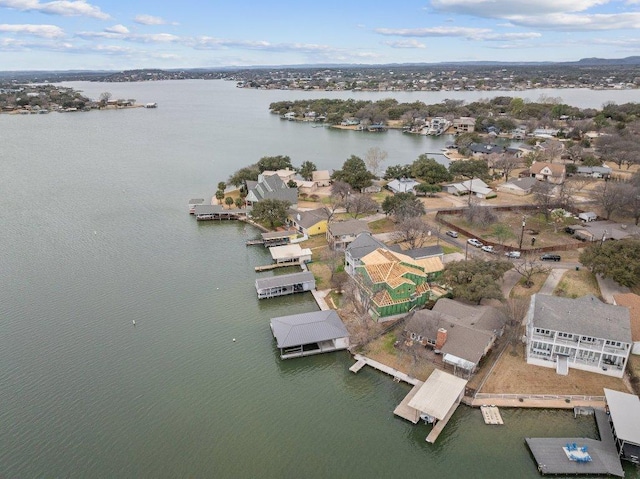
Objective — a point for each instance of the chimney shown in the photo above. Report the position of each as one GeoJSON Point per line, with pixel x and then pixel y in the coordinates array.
{"type": "Point", "coordinates": [441, 338]}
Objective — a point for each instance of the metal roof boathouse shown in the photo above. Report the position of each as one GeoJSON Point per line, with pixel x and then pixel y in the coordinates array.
{"type": "Point", "coordinates": [624, 416]}
{"type": "Point", "coordinates": [285, 284]}
{"type": "Point", "coordinates": [309, 333]}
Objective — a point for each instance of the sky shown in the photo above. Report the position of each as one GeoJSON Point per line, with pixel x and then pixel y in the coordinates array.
{"type": "Point", "coordinates": [130, 34]}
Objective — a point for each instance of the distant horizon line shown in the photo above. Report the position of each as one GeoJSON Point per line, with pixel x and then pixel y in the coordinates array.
{"type": "Point", "coordinates": [630, 60]}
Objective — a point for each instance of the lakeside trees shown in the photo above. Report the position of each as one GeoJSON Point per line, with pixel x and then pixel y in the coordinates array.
{"type": "Point", "coordinates": [273, 212]}
{"type": "Point", "coordinates": [618, 260]}
{"type": "Point", "coordinates": [475, 279]}
{"type": "Point", "coordinates": [354, 172]}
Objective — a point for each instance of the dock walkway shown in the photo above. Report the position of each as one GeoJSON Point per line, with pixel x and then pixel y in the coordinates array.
{"type": "Point", "coordinates": [397, 375]}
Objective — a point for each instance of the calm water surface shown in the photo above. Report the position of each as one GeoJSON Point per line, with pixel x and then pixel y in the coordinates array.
{"type": "Point", "coordinates": [95, 234]}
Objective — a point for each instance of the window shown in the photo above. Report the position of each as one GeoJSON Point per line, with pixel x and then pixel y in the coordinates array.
{"type": "Point", "coordinates": [588, 339]}
{"type": "Point", "coordinates": [544, 332]}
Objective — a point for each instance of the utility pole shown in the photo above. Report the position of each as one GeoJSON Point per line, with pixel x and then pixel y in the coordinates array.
{"type": "Point", "coordinates": [524, 223]}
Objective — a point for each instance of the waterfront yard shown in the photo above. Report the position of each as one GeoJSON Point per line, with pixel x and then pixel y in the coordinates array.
{"type": "Point", "coordinates": [512, 375]}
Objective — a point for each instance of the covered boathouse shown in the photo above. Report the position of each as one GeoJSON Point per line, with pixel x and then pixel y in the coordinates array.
{"type": "Point", "coordinates": [434, 401]}
{"type": "Point", "coordinates": [624, 417]}
{"type": "Point", "coordinates": [309, 333]}
{"type": "Point", "coordinates": [285, 284]}
{"type": "Point", "coordinates": [217, 212]}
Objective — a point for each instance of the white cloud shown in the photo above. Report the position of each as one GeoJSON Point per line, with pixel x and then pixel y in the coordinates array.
{"type": "Point", "coordinates": [66, 8]}
{"type": "Point", "coordinates": [113, 33]}
{"type": "Point", "coordinates": [151, 20]}
{"type": "Point", "coordinates": [504, 8]}
{"type": "Point", "coordinates": [405, 44]}
{"type": "Point", "coordinates": [117, 29]}
{"type": "Point", "coordinates": [45, 31]}
{"type": "Point", "coordinates": [575, 22]}
{"type": "Point", "coordinates": [433, 32]}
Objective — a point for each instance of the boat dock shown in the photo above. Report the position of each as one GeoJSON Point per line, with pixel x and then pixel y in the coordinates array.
{"type": "Point", "coordinates": [217, 212]}
{"type": "Point", "coordinates": [491, 415]}
{"type": "Point", "coordinates": [405, 411]}
{"type": "Point", "coordinates": [285, 284]}
{"type": "Point", "coordinates": [578, 455]}
{"type": "Point", "coordinates": [397, 375]}
{"type": "Point", "coordinates": [273, 238]}
{"type": "Point", "coordinates": [269, 267]}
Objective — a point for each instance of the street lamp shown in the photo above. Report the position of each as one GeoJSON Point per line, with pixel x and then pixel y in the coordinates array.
{"type": "Point", "coordinates": [522, 232]}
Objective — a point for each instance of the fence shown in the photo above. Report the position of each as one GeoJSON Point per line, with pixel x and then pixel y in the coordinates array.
{"type": "Point", "coordinates": [498, 246]}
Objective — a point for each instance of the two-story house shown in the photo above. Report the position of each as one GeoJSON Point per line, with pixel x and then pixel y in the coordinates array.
{"type": "Point", "coordinates": [341, 233]}
{"type": "Point", "coordinates": [582, 333]}
{"type": "Point", "coordinates": [394, 283]}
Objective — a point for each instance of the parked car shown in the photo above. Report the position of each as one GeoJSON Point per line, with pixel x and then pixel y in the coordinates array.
{"type": "Point", "coordinates": [453, 234]}
{"type": "Point", "coordinates": [550, 257]}
{"type": "Point", "coordinates": [489, 249]}
{"type": "Point", "coordinates": [475, 242]}
{"type": "Point", "coordinates": [512, 254]}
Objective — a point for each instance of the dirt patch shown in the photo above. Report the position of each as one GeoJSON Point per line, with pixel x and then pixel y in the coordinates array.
{"type": "Point", "coordinates": [322, 273]}
{"type": "Point", "coordinates": [512, 375]}
{"type": "Point", "coordinates": [519, 291]}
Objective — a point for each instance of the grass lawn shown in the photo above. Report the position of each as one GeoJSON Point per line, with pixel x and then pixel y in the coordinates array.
{"type": "Point", "coordinates": [512, 375]}
{"type": "Point", "coordinates": [384, 225]}
{"type": "Point", "coordinates": [315, 242]}
{"type": "Point", "coordinates": [322, 273]}
{"type": "Point", "coordinates": [575, 284]}
{"type": "Point", "coordinates": [383, 351]}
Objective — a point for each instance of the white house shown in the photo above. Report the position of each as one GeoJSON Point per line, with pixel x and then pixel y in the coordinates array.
{"type": "Point", "coordinates": [582, 333]}
{"type": "Point", "coordinates": [402, 185]}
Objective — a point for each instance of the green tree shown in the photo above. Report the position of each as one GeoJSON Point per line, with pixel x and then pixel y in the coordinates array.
{"type": "Point", "coordinates": [306, 170]}
{"type": "Point", "coordinates": [429, 170]}
{"type": "Point", "coordinates": [220, 196]}
{"type": "Point", "coordinates": [354, 172]}
{"type": "Point", "coordinates": [228, 201]}
{"type": "Point", "coordinates": [397, 172]}
{"type": "Point", "coordinates": [427, 189]}
{"type": "Point", "coordinates": [239, 202]}
{"type": "Point", "coordinates": [403, 206]}
{"type": "Point", "coordinates": [273, 163]}
{"type": "Point", "coordinates": [475, 279]}
{"type": "Point", "coordinates": [502, 233]}
{"type": "Point", "coordinates": [271, 211]}
{"type": "Point", "coordinates": [222, 186]}
{"type": "Point", "coordinates": [248, 173]}
{"type": "Point", "coordinates": [618, 260]}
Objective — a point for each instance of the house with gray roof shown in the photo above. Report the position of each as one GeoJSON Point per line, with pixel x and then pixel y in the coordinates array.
{"type": "Point", "coordinates": [582, 333]}
{"type": "Point", "coordinates": [594, 171]}
{"type": "Point", "coordinates": [462, 333]}
{"type": "Point", "coordinates": [309, 333]}
{"type": "Point", "coordinates": [360, 247]}
{"type": "Point", "coordinates": [475, 186]}
{"type": "Point", "coordinates": [518, 186]}
{"type": "Point", "coordinates": [402, 185]}
{"type": "Point", "coordinates": [310, 222]}
{"type": "Point", "coordinates": [341, 233]}
{"type": "Point", "coordinates": [270, 187]}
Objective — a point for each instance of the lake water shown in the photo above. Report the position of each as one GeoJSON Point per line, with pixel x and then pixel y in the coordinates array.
{"type": "Point", "coordinates": [95, 234]}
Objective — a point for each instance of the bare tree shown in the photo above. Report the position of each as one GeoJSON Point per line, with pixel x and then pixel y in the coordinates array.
{"type": "Point", "coordinates": [374, 158]}
{"type": "Point", "coordinates": [507, 163]}
{"type": "Point", "coordinates": [360, 204]}
{"type": "Point", "coordinates": [611, 196]}
{"type": "Point", "coordinates": [413, 231]}
{"type": "Point", "coordinates": [341, 189]}
{"type": "Point", "coordinates": [104, 98]}
{"type": "Point", "coordinates": [514, 311]}
{"type": "Point", "coordinates": [633, 202]}
{"type": "Point", "coordinates": [543, 196]}
{"type": "Point", "coordinates": [528, 268]}
{"type": "Point", "coordinates": [359, 300]}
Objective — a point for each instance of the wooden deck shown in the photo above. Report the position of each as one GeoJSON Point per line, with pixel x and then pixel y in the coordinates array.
{"type": "Point", "coordinates": [268, 267]}
{"type": "Point", "coordinates": [399, 375]}
{"type": "Point", "coordinates": [551, 458]}
{"type": "Point", "coordinates": [357, 366]}
{"type": "Point", "coordinates": [439, 426]}
{"type": "Point", "coordinates": [405, 411]}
